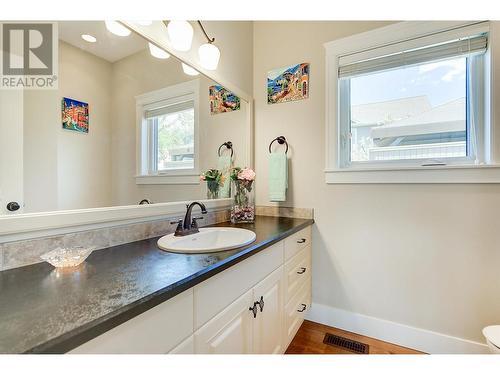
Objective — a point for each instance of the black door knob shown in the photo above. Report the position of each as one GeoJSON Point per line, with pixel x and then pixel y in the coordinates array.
{"type": "Point", "coordinates": [13, 206]}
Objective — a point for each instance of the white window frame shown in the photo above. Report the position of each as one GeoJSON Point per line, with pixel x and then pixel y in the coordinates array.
{"type": "Point", "coordinates": [337, 171]}
{"type": "Point", "coordinates": [146, 173]}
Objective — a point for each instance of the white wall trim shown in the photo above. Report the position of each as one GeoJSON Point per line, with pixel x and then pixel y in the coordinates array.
{"type": "Point", "coordinates": [177, 179]}
{"type": "Point", "coordinates": [35, 225]}
{"type": "Point", "coordinates": [396, 333]}
{"type": "Point", "coordinates": [386, 36]}
{"type": "Point", "coordinates": [447, 174]}
{"type": "Point", "coordinates": [166, 95]}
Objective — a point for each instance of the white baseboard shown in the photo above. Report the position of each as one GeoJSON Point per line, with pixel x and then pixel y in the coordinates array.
{"type": "Point", "coordinates": [396, 333]}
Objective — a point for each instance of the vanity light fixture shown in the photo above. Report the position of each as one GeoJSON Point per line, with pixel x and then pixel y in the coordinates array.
{"type": "Point", "coordinates": [189, 71]}
{"type": "Point", "coordinates": [208, 53]}
{"type": "Point", "coordinates": [180, 34]}
{"type": "Point", "coordinates": [89, 38]}
{"type": "Point", "coordinates": [157, 52]}
{"type": "Point", "coordinates": [117, 28]}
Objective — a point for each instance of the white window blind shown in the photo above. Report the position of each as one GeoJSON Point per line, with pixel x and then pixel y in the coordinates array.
{"type": "Point", "coordinates": [166, 109]}
{"type": "Point", "coordinates": [466, 46]}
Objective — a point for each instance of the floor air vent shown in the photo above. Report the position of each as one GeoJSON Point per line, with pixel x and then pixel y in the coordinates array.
{"type": "Point", "coordinates": [342, 342]}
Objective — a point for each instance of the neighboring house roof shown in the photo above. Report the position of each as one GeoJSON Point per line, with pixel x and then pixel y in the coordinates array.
{"type": "Point", "coordinates": [388, 111]}
{"type": "Point", "coordinates": [448, 117]}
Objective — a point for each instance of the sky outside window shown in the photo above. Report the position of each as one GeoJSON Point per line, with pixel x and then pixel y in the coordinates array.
{"type": "Point", "coordinates": [441, 82]}
{"type": "Point", "coordinates": [416, 112]}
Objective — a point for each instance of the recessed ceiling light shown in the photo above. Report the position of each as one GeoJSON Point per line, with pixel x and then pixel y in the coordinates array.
{"type": "Point", "coordinates": [157, 52]}
{"type": "Point", "coordinates": [89, 38]}
{"type": "Point", "coordinates": [117, 28]}
{"type": "Point", "coordinates": [189, 71]}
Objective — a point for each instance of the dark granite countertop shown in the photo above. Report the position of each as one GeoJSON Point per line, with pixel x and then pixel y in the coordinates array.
{"type": "Point", "coordinates": [45, 310]}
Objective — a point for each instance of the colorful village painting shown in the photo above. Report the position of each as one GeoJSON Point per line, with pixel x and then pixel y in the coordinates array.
{"type": "Point", "coordinates": [75, 115]}
{"type": "Point", "coordinates": [222, 100]}
{"type": "Point", "coordinates": [288, 84]}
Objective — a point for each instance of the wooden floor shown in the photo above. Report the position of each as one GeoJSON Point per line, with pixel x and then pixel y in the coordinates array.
{"type": "Point", "coordinates": [309, 340]}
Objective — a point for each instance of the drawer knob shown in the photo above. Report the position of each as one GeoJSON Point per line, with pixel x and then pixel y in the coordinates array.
{"type": "Point", "coordinates": [302, 270]}
{"type": "Point", "coordinates": [303, 307]}
{"type": "Point", "coordinates": [301, 240]}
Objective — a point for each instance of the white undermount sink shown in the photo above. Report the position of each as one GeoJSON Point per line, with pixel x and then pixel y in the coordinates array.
{"type": "Point", "coordinates": [208, 240]}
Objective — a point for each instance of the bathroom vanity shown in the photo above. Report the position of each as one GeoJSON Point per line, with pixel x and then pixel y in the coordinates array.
{"type": "Point", "coordinates": [114, 180]}
{"type": "Point", "coordinates": [136, 298]}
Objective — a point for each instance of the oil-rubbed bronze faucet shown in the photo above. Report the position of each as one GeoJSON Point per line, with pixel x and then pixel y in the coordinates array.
{"type": "Point", "coordinates": [188, 225]}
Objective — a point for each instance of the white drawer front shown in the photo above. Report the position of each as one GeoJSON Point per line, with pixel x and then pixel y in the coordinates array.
{"type": "Point", "coordinates": [155, 331]}
{"type": "Point", "coordinates": [297, 242]}
{"type": "Point", "coordinates": [297, 272]}
{"type": "Point", "coordinates": [214, 294]}
{"type": "Point", "coordinates": [295, 311]}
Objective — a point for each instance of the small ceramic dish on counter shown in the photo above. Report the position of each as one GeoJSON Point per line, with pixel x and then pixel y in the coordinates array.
{"type": "Point", "coordinates": [64, 257]}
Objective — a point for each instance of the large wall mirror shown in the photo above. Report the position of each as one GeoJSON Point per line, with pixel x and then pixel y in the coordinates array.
{"type": "Point", "coordinates": [128, 124]}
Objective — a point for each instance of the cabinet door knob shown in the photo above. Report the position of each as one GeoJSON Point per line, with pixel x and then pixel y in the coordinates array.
{"type": "Point", "coordinates": [261, 303]}
{"type": "Point", "coordinates": [302, 270]}
{"type": "Point", "coordinates": [301, 240]}
{"type": "Point", "coordinates": [254, 309]}
{"type": "Point", "coordinates": [13, 206]}
{"type": "Point", "coordinates": [303, 308]}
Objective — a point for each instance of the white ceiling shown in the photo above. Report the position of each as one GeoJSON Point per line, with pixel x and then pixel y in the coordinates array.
{"type": "Point", "coordinates": [108, 46]}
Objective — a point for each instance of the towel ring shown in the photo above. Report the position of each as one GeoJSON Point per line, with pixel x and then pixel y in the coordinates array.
{"type": "Point", "coordinates": [229, 146]}
{"type": "Point", "coordinates": [281, 140]}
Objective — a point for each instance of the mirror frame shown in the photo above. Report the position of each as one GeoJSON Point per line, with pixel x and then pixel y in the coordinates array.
{"type": "Point", "coordinates": [35, 225]}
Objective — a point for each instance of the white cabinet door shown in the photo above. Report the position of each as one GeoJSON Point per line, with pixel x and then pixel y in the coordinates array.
{"type": "Point", "coordinates": [267, 327]}
{"type": "Point", "coordinates": [230, 331]}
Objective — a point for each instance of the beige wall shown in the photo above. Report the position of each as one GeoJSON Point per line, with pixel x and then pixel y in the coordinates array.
{"type": "Point", "coordinates": [235, 40]}
{"type": "Point", "coordinates": [422, 255]}
{"type": "Point", "coordinates": [84, 160]}
{"type": "Point", "coordinates": [11, 149]}
{"type": "Point", "coordinates": [41, 127]}
{"type": "Point", "coordinates": [64, 169]}
{"type": "Point", "coordinates": [139, 74]}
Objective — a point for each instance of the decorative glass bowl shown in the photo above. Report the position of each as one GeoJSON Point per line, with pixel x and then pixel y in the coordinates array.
{"type": "Point", "coordinates": [68, 256]}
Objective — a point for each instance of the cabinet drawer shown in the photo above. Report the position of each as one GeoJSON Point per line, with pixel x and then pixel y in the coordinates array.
{"type": "Point", "coordinates": [295, 311]}
{"type": "Point", "coordinates": [297, 272]}
{"type": "Point", "coordinates": [155, 331]}
{"type": "Point", "coordinates": [214, 294]}
{"type": "Point", "coordinates": [297, 242]}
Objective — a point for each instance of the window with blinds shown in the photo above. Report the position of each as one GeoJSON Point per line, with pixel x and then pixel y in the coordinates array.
{"type": "Point", "coordinates": [171, 133]}
{"type": "Point", "coordinates": [416, 101]}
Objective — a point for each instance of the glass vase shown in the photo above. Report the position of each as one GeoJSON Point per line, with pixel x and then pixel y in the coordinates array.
{"type": "Point", "coordinates": [212, 190]}
{"type": "Point", "coordinates": [243, 205]}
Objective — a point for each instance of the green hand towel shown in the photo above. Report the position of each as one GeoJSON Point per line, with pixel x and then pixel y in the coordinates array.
{"type": "Point", "coordinates": [224, 165]}
{"type": "Point", "coordinates": [278, 177]}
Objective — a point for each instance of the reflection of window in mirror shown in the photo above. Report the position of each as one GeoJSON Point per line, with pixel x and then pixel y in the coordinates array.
{"type": "Point", "coordinates": [168, 125]}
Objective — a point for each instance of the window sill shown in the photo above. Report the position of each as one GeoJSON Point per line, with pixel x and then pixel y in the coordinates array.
{"type": "Point", "coordinates": [185, 179]}
{"type": "Point", "coordinates": [442, 174]}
